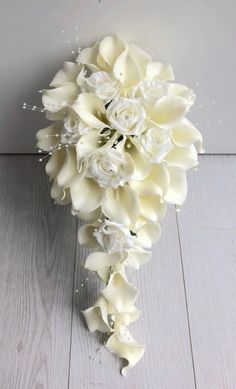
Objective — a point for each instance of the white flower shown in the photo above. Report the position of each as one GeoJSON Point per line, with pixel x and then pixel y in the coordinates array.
{"type": "Point", "coordinates": [156, 143]}
{"type": "Point", "coordinates": [114, 237]}
{"type": "Point", "coordinates": [126, 116]}
{"type": "Point", "coordinates": [150, 91]}
{"type": "Point", "coordinates": [110, 168]}
{"type": "Point", "coordinates": [103, 86]}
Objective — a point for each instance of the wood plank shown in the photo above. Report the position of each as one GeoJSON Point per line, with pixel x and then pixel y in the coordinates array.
{"type": "Point", "coordinates": [212, 194]}
{"type": "Point", "coordinates": [163, 327]}
{"type": "Point", "coordinates": [37, 248]}
{"type": "Point", "coordinates": [210, 274]}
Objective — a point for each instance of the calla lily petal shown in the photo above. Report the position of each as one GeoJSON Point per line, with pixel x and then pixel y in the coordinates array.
{"type": "Point", "coordinates": [186, 134]}
{"type": "Point", "coordinates": [185, 158]}
{"type": "Point", "coordinates": [169, 110]}
{"type": "Point", "coordinates": [160, 71]}
{"type": "Point", "coordinates": [142, 165]}
{"type": "Point", "coordinates": [100, 260]}
{"type": "Point", "coordinates": [121, 205]}
{"type": "Point", "coordinates": [59, 194]}
{"type": "Point", "coordinates": [96, 317]}
{"type": "Point", "coordinates": [137, 258]}
{"type": "Point", "coordinates": [86, 236]}
{"type": "Point", "coordinates": [88, 56]}
{"type": "Point", "coordinates": [126, 70]}
{"type": "Point", "coordinates": [155, 184]}
{"type": "Point", "coordinates": [110, 48]}
{"type": "Point", "coordinates": [152, 208]}
{"type": "Point", "coordinates": [68, 73]}
{"type": "Point", "coordinates": [55, 99]}
{"type": "Point", "coordinates": [149, 234]}
{"type": "Point", "coordinates": [86, 195]}
{"type": "Point", "coordinates": [120, 293]}
{"type": "Point", "coordinates": [90, 109]}
{"type": "Point", "coordinates": [69, 168]}
{"type": "Point", "coordinates": [177, 190]}
{"type": "Point", "coordinates": [124, 346]}
{"type": "Point", "coordinates": [47, 138]}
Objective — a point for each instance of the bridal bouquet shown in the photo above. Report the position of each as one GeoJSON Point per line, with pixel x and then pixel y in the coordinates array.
{"type": "Point", "coordinates": [119, 148]}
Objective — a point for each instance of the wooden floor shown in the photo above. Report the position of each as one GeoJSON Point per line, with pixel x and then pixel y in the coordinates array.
{"type": "Point", "coordinates": [187, 298]}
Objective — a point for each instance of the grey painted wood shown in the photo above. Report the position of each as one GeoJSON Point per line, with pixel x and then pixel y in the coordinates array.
{"type": "Point", "coordinates": [163, 326]}
{"type": "Point", "coordinates": [210, 275]}
{"type": "Point", "coordinates": [208, 241]}
{"type": "Point", "coordinates": [36, 279]}
{"type": "Point", "coordinates": [211, 194]}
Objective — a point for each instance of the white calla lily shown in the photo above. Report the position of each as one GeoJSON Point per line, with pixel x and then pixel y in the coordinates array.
{"type": "Point", "coordinates": [121, 205]}
{"type": "Point", "coordinates": [91, 110]}
{"type": "Point", "coordinates": [177, 190]}
{"type": "Point", "coordinates": [160, 71]}
{"type": "Point", "coordinates": [124, 346]}
{"type": "Point", "coordinates": [169, 111]}
{"type": "Point", "coordinates": [120, 293]}
{"type": "Point", "coordinates": [68, 73]}
{"type": "Point", "coordinates": [185, 134]}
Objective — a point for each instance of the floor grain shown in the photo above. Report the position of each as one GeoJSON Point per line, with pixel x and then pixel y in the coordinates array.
{"type": "Point", "coordinates": [207, 227]}
{"type": "Point", "coordinates": [37, 244]}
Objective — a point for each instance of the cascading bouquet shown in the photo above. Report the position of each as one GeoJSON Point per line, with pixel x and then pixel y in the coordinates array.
{"type": "Point", "coordinates": [119, 149]}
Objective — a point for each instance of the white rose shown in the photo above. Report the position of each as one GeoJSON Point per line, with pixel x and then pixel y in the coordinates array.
{"type": "Point", "coordinates": [126, 116]}
{"type": "Point", "coordinates": [103, 86]}
{"type": "Point", "coordinates": [156, 143]}
{"type": "Point", "coordinates": [150, 91]}
{"type": "Point", "coordinates": [114, 237]}
{"type": "Point", "coordinates": [110, 168]}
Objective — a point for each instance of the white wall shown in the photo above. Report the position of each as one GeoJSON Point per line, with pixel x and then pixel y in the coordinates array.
{"type": "Point", "coordinates": [196, 36]}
